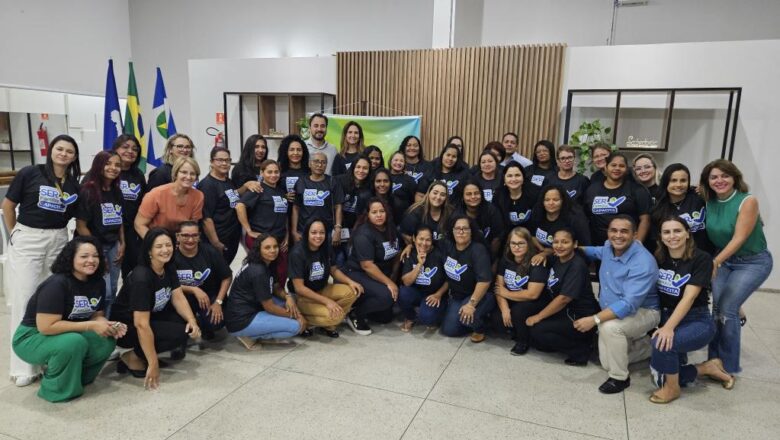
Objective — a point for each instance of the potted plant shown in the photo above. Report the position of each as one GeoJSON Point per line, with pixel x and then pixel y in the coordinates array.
{"type": "Point", "coordinates": [303, 127]}
{"type": "Point", "coordinates": [585, 137]}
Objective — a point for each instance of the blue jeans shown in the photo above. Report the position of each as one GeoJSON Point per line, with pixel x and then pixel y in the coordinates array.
{"type": "Point", "coordinates": [269, 326]}
{"type": "Point", "coordinates": [736, 280]}
{"type": "Point", "coordinates": [113, 270]}
{"type": "Point", "coordinates": [451, 324]}
{"type": "Point", "coordinates": [692, 333]}
{"type": "Point", "coordinates": [410, 297]}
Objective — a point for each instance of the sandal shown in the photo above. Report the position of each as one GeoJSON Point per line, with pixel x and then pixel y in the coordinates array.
{"type": "Point", "coordinates": [660, 400]}
{"type": "Point", "coordinates": [406, 327]}
{"type": "Point", "coordinates": [727, 384]}
{"type": "Point", "coordinates": [248, 343]}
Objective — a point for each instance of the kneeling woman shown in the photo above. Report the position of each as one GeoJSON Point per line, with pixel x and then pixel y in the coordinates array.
{"type": "Point", "coordinates": [152, 304]}
{"type": "Point", "coordinates": [467, 266]}
{"type": "Point", "coordinates": [373, 263]}
{"type": "Point", "coordinates": [64, 326]}
{"type": "Point", "coordinates": [552, 328]}
{"type": "Point", "coordinates": [310, 264]}
{"type": "Point", "coordinates": [252, 312]}
{"type": "Point", "coordinates": [424, 283]}
{"type": "Point", "coordinates": [684, 273]}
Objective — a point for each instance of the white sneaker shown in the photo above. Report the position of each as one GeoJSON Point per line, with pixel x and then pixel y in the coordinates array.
{"type": "Point", "coordinates": [114, 355]}
{"type": "Point", "coordinates": [23, 381]}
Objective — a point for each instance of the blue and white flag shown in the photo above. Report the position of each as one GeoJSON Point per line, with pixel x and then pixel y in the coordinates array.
{"type": "Point", "coordinates": [112, 118]}
{"type": "Point", "coordinates": [163, 126]}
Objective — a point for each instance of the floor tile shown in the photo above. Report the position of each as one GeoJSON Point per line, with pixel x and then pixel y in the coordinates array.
{"type": "Point", "coordinates": [388, 359]}
{"type": "Point", "coordinates": [771, 339]}
{"type": "Point", "coordinates": [284, 405]}
{"type": "Point", "coordinates": [441, 421]}
{"type": "Point", "coordinates": [761, 310]}
{"type": "Point", "coordinates": [5, 348]}
{"type": "Point", "coordinates": [228, 347]}
{"type": "Point", "coordinates": [756, 359]}
{"type": "Point", "coordinates": [7, 437]}
{"type": "Point", "coordinates": [706, 411]}
{"type": "Point", "coordinates": [118, 404]}
{"type": "Point", "coordinates": [537, 388]}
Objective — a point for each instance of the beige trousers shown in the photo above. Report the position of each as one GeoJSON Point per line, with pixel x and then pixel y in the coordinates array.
{"type": "Point", "coordinates": [625, 341]}
{"type": "Point", "coordinates": [318, 315]}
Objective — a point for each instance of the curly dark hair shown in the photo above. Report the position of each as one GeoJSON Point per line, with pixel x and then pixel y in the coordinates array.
{"type": "Point", "coordinates": [402, 147]}
{"type": "Point", "coordinates": [64, 262]}
{"type": "Point", "coordinates": [284, 160]}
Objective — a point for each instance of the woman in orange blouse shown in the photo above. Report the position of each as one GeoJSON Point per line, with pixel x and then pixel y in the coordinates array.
{"type": "Point", "coordinates": [170, 204]}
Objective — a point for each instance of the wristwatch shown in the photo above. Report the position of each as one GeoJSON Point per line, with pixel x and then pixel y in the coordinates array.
{"type": "Point", "coordinates": [218, 301]}
{"type": "Point", "coordinates": [596, 319]}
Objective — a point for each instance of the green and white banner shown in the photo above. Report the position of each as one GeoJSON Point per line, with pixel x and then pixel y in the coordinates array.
{"type": "Point", "coordinates": [386, 132]}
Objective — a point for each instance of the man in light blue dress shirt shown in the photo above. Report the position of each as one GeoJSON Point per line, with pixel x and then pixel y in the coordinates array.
{"type": "Point", "coordinates": [628, 300]}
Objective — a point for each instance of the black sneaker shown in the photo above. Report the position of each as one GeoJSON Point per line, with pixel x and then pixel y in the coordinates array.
{"type": "Point", "coordinates": [306, 333]}
{"type": "Point", "coordinates": [613, 386]}
{"type": "Point", "coordinates": [358, 325]}
{"type": "Point", "coordinates": [576, 362]}
{"type": "Point", "coordinates": [329, 333]}
{"type": "Point", "coordinates": [178, 354]}
{"type": "Point", "coordinates": [519, 349]}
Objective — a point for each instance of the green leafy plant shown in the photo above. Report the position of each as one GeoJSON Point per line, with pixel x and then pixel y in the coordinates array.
{"type": "Point", "coordinates": [585, 137]}
{"type": "Point", "coordinates": [303, 127]}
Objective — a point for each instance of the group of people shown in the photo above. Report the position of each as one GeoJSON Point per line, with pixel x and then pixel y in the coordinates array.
{"type": "Point", "coordinates": [345, 235]}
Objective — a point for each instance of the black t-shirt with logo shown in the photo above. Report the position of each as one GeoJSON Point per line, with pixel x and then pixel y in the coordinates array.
{"type": "Point", "coordinates": [368, 244]}
{"type": "Point", "coordinates": [206, 269]}
{"type": "Point", "coordinates": [41, 203]}
{"type": "Point", "coordinates": [290, 178]}
{"type": "Point", "coordinates": [104, 217]}
{"type": "Point", "coordinates": [431, 276]}
{"type": "Point", "coordinates": [64, 295]}
{"type": "Point", "coordinates": [514, 212]}
{"type": "Point", "coordinates": [311, 267]}
{"type": "Point", "coordinates": [342, 164]}
{"type": "Point", "coordinates": [132, 183]}
{"type": "Point", "coordinates": [253, 285]}
{"type": "Point", "coordinates": [317, 199]}
{"type": "Point", "coordinates": [403, 189]}
{"type": "Point", "coordinates": [417, 171]}
{"type": "Point", "coordinates": [693, 211]}
{"type": "Point", "coordinates": [489, 222]}
{"type": "Point", "coordinates": [354, 200]}
{"type": "Point", "coordinates": [544, 229]}
{"type": "Point", "coordinates": [489, 187]}
{"type": "Point", "coordinates": [145, 291]}
{"type": "Point", "coordinates": [575, 186]}
{"type": "Point", "coordinates": [516, 278]}
{"type": "Point", "coordinates": [267, 211]}
{"type": "Point", "coordinates": [602, 204]}
{"type": "Point", "coordinates": [454, 180]}
{"type": "Point", "coordinates": [675, 274]}
{"type": "Point", "coordinates": [219, 204]}
{"type": "Point", "coordinates": [572, 279]}
{"type": "Point", "coordinates": [466, 268]}
{"type": "Point", "coordinates": [414, 218]}
{"type": "Point", "coordinates": [160, 176]}
{"type": "Point", "coordinates": [538, 177]}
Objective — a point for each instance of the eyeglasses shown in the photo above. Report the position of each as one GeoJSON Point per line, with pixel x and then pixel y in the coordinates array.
{"type": "Point", "coordinates": [566, 159]}
{"type": "Point", "coordinates": [461, 230]}
{"type": "Point", "coordinates": [319, 161]}
{"type": "Point", "coordinates": [188, 236]}
{"type": "Point", "coordinates": [517, 244]}
{"type": "Point", "coordinates": [221, 160]}
{"type": "Point", "coordinates": [183, 147]}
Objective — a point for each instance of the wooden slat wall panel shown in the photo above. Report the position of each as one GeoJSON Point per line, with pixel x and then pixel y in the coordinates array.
{"type": "Point", "coordinates": [477, 93]}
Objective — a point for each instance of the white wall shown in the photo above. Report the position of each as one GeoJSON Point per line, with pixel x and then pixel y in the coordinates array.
{"type": "Point", "coordinates": [169, 33]}
{"type": "Point", "coordinates": [588, 22]}
{"type": "Point", "coordinates": [210, 78]}
{"type": "Point", "coordinates": [64, 45]}
{"type": "Point", "coordinates": [752, 65]}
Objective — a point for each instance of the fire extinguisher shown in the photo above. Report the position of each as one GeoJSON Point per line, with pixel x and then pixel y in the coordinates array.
{"type": "Point", "coordinates": [43, 140]}
{"type": "Point", "coordinates": [219, 137]}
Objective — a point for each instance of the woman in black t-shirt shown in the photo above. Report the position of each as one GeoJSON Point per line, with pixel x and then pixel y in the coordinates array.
{"type": "Point", "coordinates": [254, 309]}
{"type": "Point", "coordinates": [46, 196]}
{"type": "Point", "coordinates": [220, 197]}
{"type": "Point", "coordinates": [152, 305]}
{"type": "Point", "coordinates": [489, 172]}
{"type": "Point", "coordinates": [415, 164]}
{"type": "Point", "coordinates": [488, 218]}
{"type": "Point", "coordinates": [178, 145]}
{"type": "Point", "coordinates": [404, 186]}
{"type": "Point", "coordinates": [684, 275]}
{"type": "Point", "coordinates": [351, 147]}
{"type": "Point", "coordinates": [467, 266]}
{"type": "Point", "coordinates": [64, 326]}
{"type": "Point", "coordinates": [374, 156]}
{"type": "Point", "coordinates": [373, 263]}
{"type": "Point", "coordinates": [513, 200]}
{"type": "Point", "coordinates": [553, 211]}
{"type": "Point", "coordinates": [246, 175]}
{"type": "Point", "coordinates": [571, 298]}
{"type": "Point", "coordinates": [543, 168]}
{"type": "Point", "coordinates": [433, 211]}
{"type": "Point", "coordinates": [311, 263]}
{"type": "Point", "coordinates": [424, 283]}
{"type": "Point", "coordinates": [317, 195]}
{"type": "Point", "coordinates": [519, 287]}
{"type": "Point", "coordinates": [132, 183]}
{"type": "Point", "coordinates": [100, 215]}
{"type": "Point", "coordinates": [293, 163]}
{"type": "Point", "coordinates": [448, 168]}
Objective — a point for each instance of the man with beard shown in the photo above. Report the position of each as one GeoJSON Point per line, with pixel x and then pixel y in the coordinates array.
{"type": "Point", "coordinates": [318, 127]}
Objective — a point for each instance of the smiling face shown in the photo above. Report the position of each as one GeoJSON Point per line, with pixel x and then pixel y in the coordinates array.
{"type": "Point", "coordinates": [261, 150]}
{"type": "Point", "coordinates": [188, 238]}
{"type": "Point", "coordinates": [423, 241]}
{"type": "Point", "coordinates": [449, 158]}
{"type": "Point", "coordinates": [186, 176]}
{"type": "Point", "coordinates": [397, 163]}
{"type": "Point", "coordinates": [85, 261]}
{"type": "Point", "coordinates": [221, 163]}
{"type": "Point", "coordinates": [381, 184]}
{"type": "Point", "coordinates": [112, 168]}
{"type": "Point", "coordinates": [412, 148]}
{"type": "Point", "coordinates": [269, 250]}
{"type": "Point", "coordinates": [271, 174]}
{"type": "Point", "coordinates": [487, 164]}
{"type": "Point", "coordinates": [318, 128]}
{"type": "Point", "coordinates": [617, 168]}
{"type": "Point", "coordinates": [353, 135]}
{"type": "Point", "coordinates": [360, 169]}
{"type": "Point", "coordinates": [295, 152]}
{"type": "Point", "coordinates": [182, 147]}
{"type": "Point", "coordinates": [510, 144]}
{"type": "Point", "coordinates": [620, 234]}
{"type": "Point", "coordinates": [600, 158]}
{"type": "Point", "coordinates": [563, 244]}
{"type": "Point", "coordinates": [437, 196]}
{"type": "Point", "coordinates": [63, 153]}
{"type": "Point", "coordinates": [674, 235]}
{"type": "Point", "coordinates": [645, 171]}
{"type": "Point", "coordinates": [461, 230]}
{"type": "Point", "coordinates": [318, 163]}
{"type": "Point", "coordinates": [720, 182]}
{"type": "Point", "coordinates": [472, 196]}
{"type": "Point", "coordinates": [375, 158]}
{"type": "Point", "coordinates": [128, 152]}
{"type": "Point", "coordinates": [552, 201]}
{"type": "Point", "coordinates": [513, 179]}
{"type": "Point", "coordinates": [162, 250]}
{"type": "Point", "coordinates": [316, 235]}
{"type": "Point", "coordinates": [377, 215]}
{"type": "Point", "coordinates": [678, 185]}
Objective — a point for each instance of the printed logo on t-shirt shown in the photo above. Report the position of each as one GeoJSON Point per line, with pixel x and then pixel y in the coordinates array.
{"type": "Point", "coordinates": [537, 180]}
{"type": "Point", "coordinates": [233, 197]}
{"type": "Point", "coordinates": [695, 219]}
{"type": "Point", "coordinates": [451, 184]}
{"type": "Point", "coordinates": [189, 278]}
{"type": "Point", "coordinates": [552, 279]}
{"type": "Point", "coordinates": [513, 281]}
{"type": "Point", "coordinates": [486, 231]}
{"type": "Point", "coordinates": [396, 187]}
{"type": "Point", "coordinates": [453, 269]}
{"type": "Point", "coordinates": [391, 249]}
{"type": "Point", "coordinates": [519, 217]}
{"type": "Point", "coordinates": [415, 176]}
{"type": "Point", "coordinates": [347, 166]}
{"type": "Point", "coordinates": [290, 183]}
{"type": "Point", "coordinates": [437, 235]}
{"type": "Point", "coordinates": [350, 204]}
{"type": "Point", "coordinates": [112, 214]}
{"type": "Point", "coordinates": [130, 191]}
{"type": "Point", "coordinates": [487, 194]}
{"type": "Point", "coordinates": [50, 199]}
{"type": "Point", "coordinates": [671, 282]}
{"type": "Point", "coordinates": [543, 237]}
{"type": "Point", "coordinates": [606, 204]}
{"type": "Point", "coordinates": [572, 193]}
{"type": "Point", "coordinates": [317, 271]}
{"type": "Point", "coordinates": [161, 298]}
{"type": "Point", "coordinates": [313, 197]}
{"type": "Point", "coordinates": [83, 307]}
{"type": "Point", "coordinates": [425, 276]}
{"type": "Point", "coordinates": [280, 204]}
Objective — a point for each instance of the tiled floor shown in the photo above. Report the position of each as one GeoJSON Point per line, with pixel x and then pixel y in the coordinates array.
{"type": "Point", "coordinates": [393, 385]}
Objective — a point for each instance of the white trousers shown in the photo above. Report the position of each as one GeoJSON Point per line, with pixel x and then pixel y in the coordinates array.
{"type": "Point", "coordinates": [625, 341]}
{"type": "Point", "coordinates": [31, 252]}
